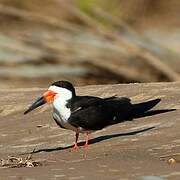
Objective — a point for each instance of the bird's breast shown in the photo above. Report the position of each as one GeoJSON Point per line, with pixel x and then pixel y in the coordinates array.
{"type": "Point", "coordinates": [61, 113]}
{"type": "Point", "coordinates": [63, 122]}
{"type": "Point", "coordinates": [60, 108]}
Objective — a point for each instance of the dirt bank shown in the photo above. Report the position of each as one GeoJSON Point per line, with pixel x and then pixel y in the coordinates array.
{"type": "Point", "coordinates": [130, 150]}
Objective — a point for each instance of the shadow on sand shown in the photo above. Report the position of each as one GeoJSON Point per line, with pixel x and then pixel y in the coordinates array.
{"type": "Point", "coordinates": [94, 140]}
{"type": "Point", "coordinates": [107, 137]}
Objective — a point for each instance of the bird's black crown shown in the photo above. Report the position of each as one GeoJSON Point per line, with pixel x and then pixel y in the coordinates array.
{"type": "Point", "coordinates": [65, 84]}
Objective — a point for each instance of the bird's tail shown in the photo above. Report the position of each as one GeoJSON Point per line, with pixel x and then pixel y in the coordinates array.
{"type": "Point", "coordinates": [141, 108]}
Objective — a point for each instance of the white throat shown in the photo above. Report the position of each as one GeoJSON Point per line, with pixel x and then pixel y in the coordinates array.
{"type": "Point", "coordinates": [60, 102]}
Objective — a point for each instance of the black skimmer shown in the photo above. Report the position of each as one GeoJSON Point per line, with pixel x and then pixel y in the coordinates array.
{"type": "Point", "coordinates": [85, 114]}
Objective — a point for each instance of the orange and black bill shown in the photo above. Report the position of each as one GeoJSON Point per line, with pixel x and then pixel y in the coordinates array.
{"type": "Point", "coordinates": [48, 96]}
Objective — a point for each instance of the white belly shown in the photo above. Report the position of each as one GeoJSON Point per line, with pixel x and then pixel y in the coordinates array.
{"type": "Point", "coordinates": [64, 123]}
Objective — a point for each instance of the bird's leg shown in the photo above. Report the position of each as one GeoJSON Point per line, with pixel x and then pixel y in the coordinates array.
{"type": "Point", "coordinates": [75, 147]}
{"type": "Point", "coordinates": [86, 145]}
{"type": "Point", "coordinates": [87, 139]}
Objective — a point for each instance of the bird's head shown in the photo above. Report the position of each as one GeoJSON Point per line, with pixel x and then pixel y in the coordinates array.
{"type": "Point", "coordinates": [63, 90]}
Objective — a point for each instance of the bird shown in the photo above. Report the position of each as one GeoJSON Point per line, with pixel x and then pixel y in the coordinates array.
{"type": "Point", "coordinates": [86, 114]}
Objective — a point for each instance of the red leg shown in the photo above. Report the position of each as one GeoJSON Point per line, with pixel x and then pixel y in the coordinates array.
{"type": "Point", "coordinates": [87, 139]}
{"type": "Point", "coordinates": [75, 147]}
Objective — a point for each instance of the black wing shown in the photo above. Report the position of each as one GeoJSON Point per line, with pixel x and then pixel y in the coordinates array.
{"type": "Point", "coordinates": [93, 113]}
{"type": "Point", "coordinates": [81, 102]}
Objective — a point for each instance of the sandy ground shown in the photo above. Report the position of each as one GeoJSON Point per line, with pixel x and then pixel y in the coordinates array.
{"type": "Point", "coordinates": [130, 150]}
